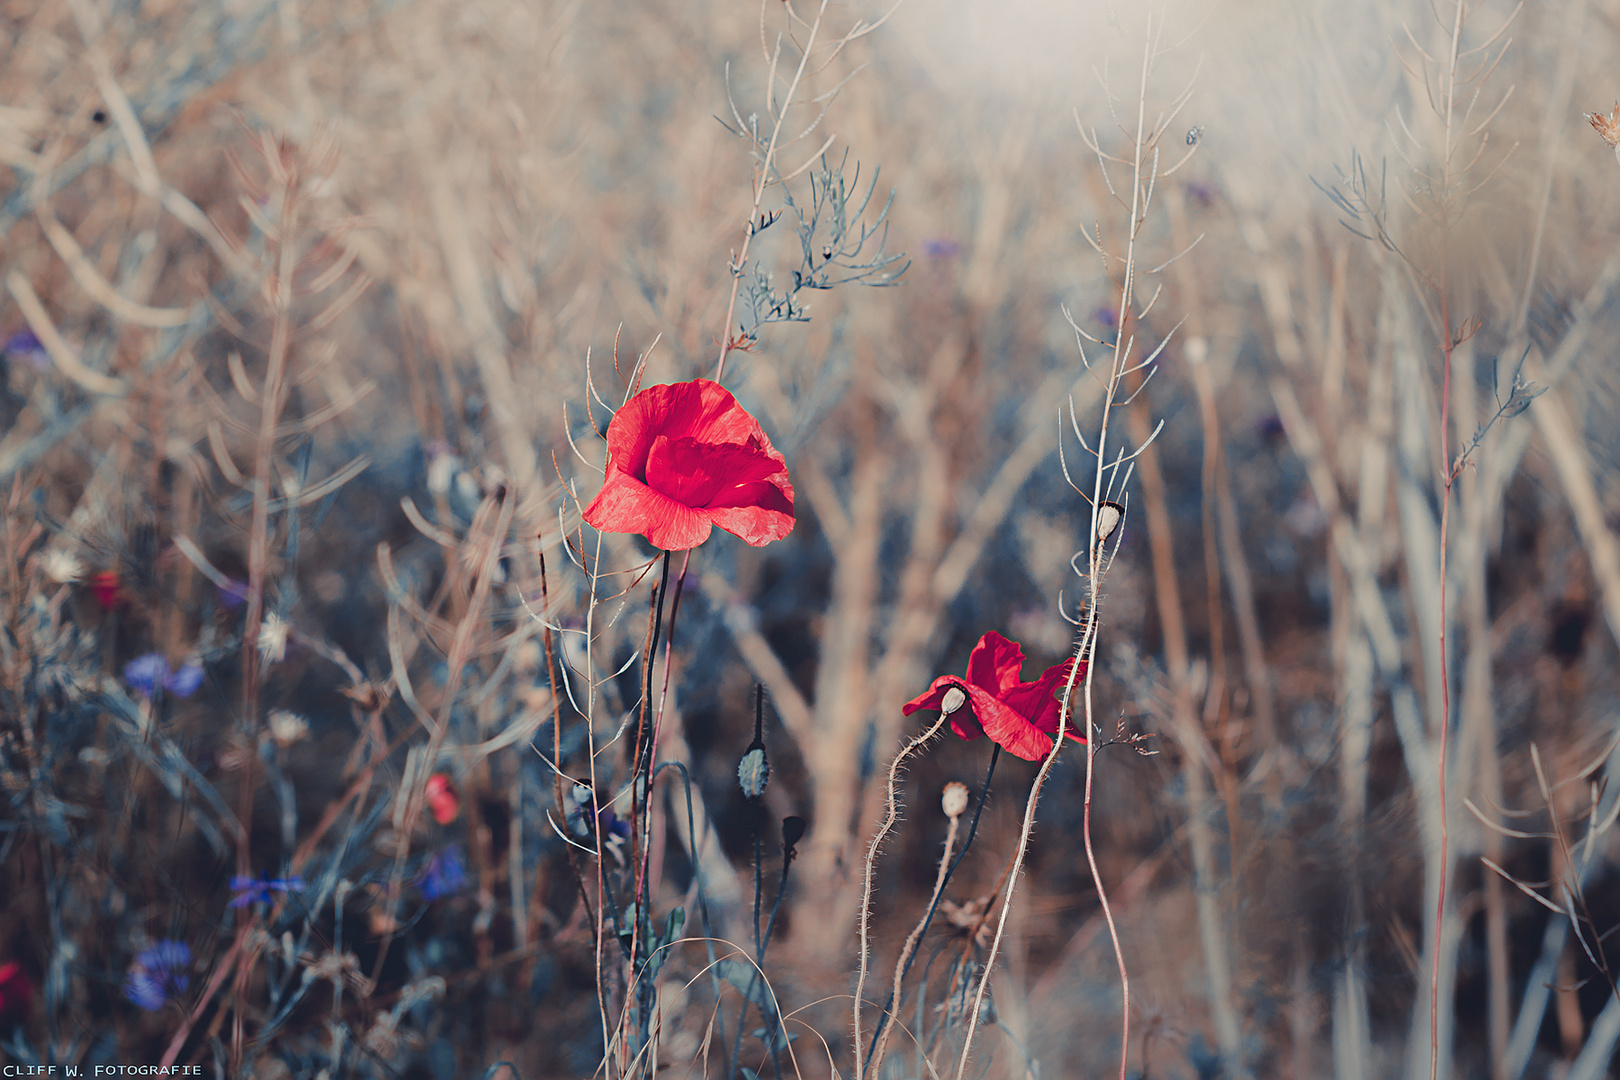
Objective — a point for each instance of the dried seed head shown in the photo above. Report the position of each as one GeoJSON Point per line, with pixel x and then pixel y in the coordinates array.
{"type": "Point", "coordinates": [62, 567]}
{"type": "Point", "coordinates": [1607, 126]}
{"type": "Point", "coordinates": [954, 699]}
{"type": "Point", "coordinates": [955, 799]}
{"type": "Point", "coordinates": [286, 727]}
{"type": "Point", "coordinates": [753, 772]}
{"type": "Point", "coordinates": [273, 634]}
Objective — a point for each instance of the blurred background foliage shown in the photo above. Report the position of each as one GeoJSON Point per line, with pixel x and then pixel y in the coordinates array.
{"type": "Point", "coordinates": [497, 202]}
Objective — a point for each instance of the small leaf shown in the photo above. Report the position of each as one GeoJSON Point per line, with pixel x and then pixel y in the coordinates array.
{"type": "Point", "coordinates": [673, 926]}
{"type": "Point", "coordinates": [750, 982]}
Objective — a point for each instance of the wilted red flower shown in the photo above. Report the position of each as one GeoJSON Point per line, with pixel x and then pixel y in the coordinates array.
{"type": "Point", "coordinates": [1019, 716]}
{"type": "Point", "coordinates": [442, 799]}
{"type": "Point", "coordinates": [685, 457]}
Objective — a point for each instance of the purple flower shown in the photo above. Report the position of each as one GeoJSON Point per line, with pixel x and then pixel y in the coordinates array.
{"type": "Point", "coordinates": [145, 674]}
{"type": "Point", "coordinates": [25, 345]}
{"type": "Point", "coordinates": [445, 873]}
{"type": "Point", "coordinates": [158, 974]}
{"type": "Point", "coordinates": [233, 595]}
{"type": "Point", "coordinates": [1104, 315]}
{"type": "Point", "coordinates": [1201, 192]}
{"type": "Point", "coordinates": [940, 247]}
{"type": "Point", "coordinates": [184, 682]}
{"type": "Point", "coordinates": [149, 673]}
{"type": "Point", "coordinates": [261, 889]}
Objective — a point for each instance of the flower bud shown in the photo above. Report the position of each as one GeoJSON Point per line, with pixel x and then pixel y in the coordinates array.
{"type": "Point", "coordinates": [955, 799]}
{"type": "Point", "coordinates": [1109, 515]}
{"type": "Point", "coordinates": [954, 699]}
{"type": "Point", "coordinates": [753, 772]}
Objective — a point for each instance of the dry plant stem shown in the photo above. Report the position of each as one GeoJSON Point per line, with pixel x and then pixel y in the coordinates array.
{"type": "Point", "coordinates": [1449, 475]}
{"type": "Point", "coordinates": [272, 395]}
{"type": "Point", "coordinates": [891, 1007]}
{"type": "Point", "coordinates": [1096, 566]}
{"type": "Point", "coordinates": [763, 174]}
{"type": "Point", "coordinates": [645, 751]}
{"type": "Point", "coordinates": [1197, 759]}
{"type": "Point", "coordinates": [871, 863]}
{"type": "Point", "coordinates": [904, 961]}
{"type": "Point", "coordinates": [460, 650]}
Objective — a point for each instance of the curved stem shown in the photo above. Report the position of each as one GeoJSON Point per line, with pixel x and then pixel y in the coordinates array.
{"type": "Point", "coordinates": [871, 861]}
{"type": "Point", "coordinates": [887, 1017]}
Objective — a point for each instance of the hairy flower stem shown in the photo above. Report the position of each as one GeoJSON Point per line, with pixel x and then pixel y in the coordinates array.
{"type": "Point", "coordinates": [641, 768]}
{"type": "Point", "coordinates": [886, 1019]}
{"type": "Point", "coordinates": [908, 950]}
{"type": "Point", "coordinates": [871, 863]}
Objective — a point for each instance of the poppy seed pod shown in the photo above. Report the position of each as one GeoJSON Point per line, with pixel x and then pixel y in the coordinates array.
{"type": "Point", "coordinates": [954, 800]}
{"type": "Point", "coordinates": [954, 699]}
{"type": "Point", "coordinates": [792, 832]}
{"type": "Point", "coordinates": [753, 772]}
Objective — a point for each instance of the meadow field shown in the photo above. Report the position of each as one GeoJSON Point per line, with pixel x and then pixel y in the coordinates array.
{"type": "Point", "coordinates": [950, 539]}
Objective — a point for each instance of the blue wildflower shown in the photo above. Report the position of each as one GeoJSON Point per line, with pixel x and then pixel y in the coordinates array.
{"type": "Point", "coordinates": [261, 890]}
{"type": "Point", "coordinates": [445, 873]}
{"type": "Point", "coordinates": [145, 674]}
{"type": "Point", "coordinates": [184, 682]}
{"type": "Point", "coordinates": [158, 974]}
{"type": "Point", "coordinates": [25, 345]}
{"type": "Point", "coordinates": [940, 247]}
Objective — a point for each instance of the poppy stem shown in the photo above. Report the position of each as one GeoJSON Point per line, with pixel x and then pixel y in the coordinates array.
{"type": "Point", "coordinates": [973, 830]}
{"type": "Point", "coordinates": [640, 815]}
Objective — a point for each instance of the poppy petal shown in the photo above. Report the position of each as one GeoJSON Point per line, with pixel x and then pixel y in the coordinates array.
{"type": "Point", "coordinates": [627, 505]}
{"type": "Point", "coordinates": [701, 474]}
{"type": "Point", "coordinates": [766, 514]}
{"type": "Point", "coordinates": [1037, 701]}
{"type": "Point", "coordinates": [995, 663]}
{"type": "Point", "coordinates": [1007, 728]}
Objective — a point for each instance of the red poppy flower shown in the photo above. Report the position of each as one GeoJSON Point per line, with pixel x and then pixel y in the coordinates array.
{"type": "Point", "coordinates": [442, 798]}
{"type": "Point", "coordinates": [105, 587]}
{"type": "Point", "coordinates": [685, 457]}
{"type": "Point", "coordinates": [1019, 716]}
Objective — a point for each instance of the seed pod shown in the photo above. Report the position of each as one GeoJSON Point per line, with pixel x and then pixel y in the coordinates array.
{"type": "Point", "coordinates": [792, 833]}
{"type": "Point", "coordinates": [954, 800]}
{"type": "Point", "coordinates": [954, 699]}
{"type": "Point", "coordinates": [1109, 515]}
{"type": "Point", "coordinates": [754, 770]}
